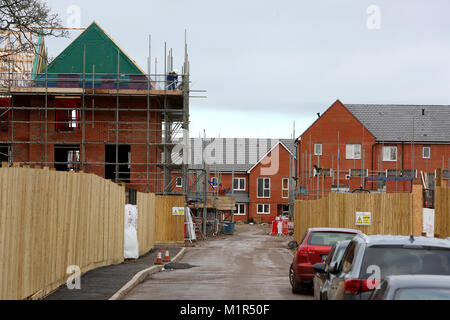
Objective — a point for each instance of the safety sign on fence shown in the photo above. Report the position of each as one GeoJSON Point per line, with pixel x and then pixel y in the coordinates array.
{"type": "Point", "coordinates": [178, 211]}
{"type": "Point", "coordinates": [363, 218]}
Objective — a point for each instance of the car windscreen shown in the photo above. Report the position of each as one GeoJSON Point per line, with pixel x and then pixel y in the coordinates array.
{"type": "Point", "coordinates": [422, 294]}
{"type": "Point", "coordinates": [403, 260]}
{"type": "Point", "coordinates": [321, 238]}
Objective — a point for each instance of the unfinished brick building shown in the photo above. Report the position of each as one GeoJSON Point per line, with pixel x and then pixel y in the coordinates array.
{"type": "Point", "coordinates": [94, 109]}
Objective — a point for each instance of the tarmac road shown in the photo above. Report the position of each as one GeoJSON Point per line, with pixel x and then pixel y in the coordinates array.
{"type": "Point", "coordinates": [250, 265]}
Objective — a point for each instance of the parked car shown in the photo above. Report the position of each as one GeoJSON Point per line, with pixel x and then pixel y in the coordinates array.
{"type": "Point", "coordinates": [370, 259]}
{"type": "Point", "coordinates": [314, 248]}
{"type": "Point", "coordinates": [413, 287]}
{"type": "Point", "coordinates": [323, 277]}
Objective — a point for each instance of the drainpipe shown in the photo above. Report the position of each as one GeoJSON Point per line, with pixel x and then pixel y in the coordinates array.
{"type": "Point", "coordinates": [373, 146]}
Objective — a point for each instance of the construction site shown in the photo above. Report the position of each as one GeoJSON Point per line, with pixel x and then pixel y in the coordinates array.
{"type": "Point", "coordinates": [93, 109]}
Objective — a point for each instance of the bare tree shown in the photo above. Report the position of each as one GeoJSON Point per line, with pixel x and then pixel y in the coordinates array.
{"type": "Point", "coordinates": [21, 21]}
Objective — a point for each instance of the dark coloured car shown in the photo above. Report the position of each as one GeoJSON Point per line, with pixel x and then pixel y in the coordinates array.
{"type": "Point", "coordinates": [370, 259]}
{"type": "Point", "coordinates": [314, 248]}
{"type": "Point", "coordinates": [413, 287]}
{"type": "Point", "coordinates": [325, 270]}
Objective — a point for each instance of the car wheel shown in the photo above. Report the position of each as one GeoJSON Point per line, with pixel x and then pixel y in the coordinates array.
{"type": "Point", "coordinates": [296, 287]}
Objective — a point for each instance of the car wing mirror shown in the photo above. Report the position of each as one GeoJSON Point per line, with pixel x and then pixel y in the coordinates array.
{"type": "Point", "coordinates": [319, 267]}
{"type": "Point", "coordinates": [293, 244]}
{"type": "Point", "coordinates": [333, 268]}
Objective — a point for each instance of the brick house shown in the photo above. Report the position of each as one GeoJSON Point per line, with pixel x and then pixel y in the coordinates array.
{"type": "Point", "coordinates": [92, 109]}
{"type": "Point", "coordinates": [254, 171]}
{"type": "Point", "coordinates": [383, 148]}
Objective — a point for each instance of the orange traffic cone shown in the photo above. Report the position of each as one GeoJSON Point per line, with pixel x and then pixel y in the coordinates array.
{"type": "Point", "coordinates": [167, 256]}
{"type": "Point", "coordinates": [158, 257]}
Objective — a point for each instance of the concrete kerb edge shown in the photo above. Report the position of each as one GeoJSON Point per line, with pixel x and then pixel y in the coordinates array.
{"type": "Point", "coordinates": [141, 276]}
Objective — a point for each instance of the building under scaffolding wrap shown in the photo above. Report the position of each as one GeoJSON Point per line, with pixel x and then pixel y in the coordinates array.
{"type": "Point", "coordinates": [93, 109]}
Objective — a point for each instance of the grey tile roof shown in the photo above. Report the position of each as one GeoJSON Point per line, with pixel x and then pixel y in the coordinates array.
{"type": "Point", "coordinates": [228, 154]}
{"type": "Point", "coordinates": [404, 123]}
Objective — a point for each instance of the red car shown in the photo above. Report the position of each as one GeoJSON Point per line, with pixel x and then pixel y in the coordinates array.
{"type": "Point", "coordinates": [314, 248]}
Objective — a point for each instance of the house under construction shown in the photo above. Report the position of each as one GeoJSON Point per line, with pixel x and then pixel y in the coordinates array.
{"type": "Point", "coordinates": [93, 109]}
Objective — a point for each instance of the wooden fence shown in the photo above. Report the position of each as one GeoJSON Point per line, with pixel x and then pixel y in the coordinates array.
{"type": "Point", "coordinates": [442, 212]}
{"type": "Point", "coordinates": [52, 220]}
{"type": "Point", "coordinates": [392, 213]}
{"type": "Point", "coordinates": [156, 224]}
{"type": "Point", "coordinates": [168, 228]}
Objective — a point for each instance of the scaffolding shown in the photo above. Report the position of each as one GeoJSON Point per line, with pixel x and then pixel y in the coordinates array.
{"type": "Point", "coordinates": [140, 116]}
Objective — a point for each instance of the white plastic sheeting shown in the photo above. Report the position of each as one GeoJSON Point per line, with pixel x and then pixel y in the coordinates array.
{"type": "Point", "coordinates": [190, 228]}
{"type": "Point", "coordinates": [131, 244]}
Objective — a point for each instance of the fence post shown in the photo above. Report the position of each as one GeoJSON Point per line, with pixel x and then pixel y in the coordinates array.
{"type": "Point", "coordinates": [417, 206]}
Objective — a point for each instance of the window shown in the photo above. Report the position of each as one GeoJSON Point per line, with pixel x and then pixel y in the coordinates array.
{"type": "Point", "coordinates": [318, 149]}
{"type": "Point", "coordinates": [239, 184]}
{"type": "Point", "coordinates": [389, 153]}
{"type": "Point", "coordinates": [263, 187]}
{"type": "Point", "coordinates": [66, 120]}
{"type": "Point", "coordinates": [324, 172]}
{"type": "Point", "coordinates": [347, 260]}
{"type": "Point", "coordinates": [353, 151]}
{"type": "Point", "coordinates": [4, 153]}
{"type": "Point", "coordinates": [263, 208]}
{"type": "Point", "coordinates": [285, 188]}
{"type": "Point", "coordinates": [67, 158]}
{"type": "Point", "coordinates": [67, 115]}
{"type": "Point", "coordinates": [240, 209]}
{"type": "Point", "coordinates": [426, 153]}
{"type": "Point", "coordinates": [328, 238]}
{"type": "Point", "coordinates": [179, 182]}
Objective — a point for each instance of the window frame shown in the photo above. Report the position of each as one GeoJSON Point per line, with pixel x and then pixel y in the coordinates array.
{"type": "Point", "coordinates": [283, 189]}
{"type": "Point", "coordinates": [321, 149]}
{"type": "Point", "coordinates": [239, 179]}
{"type": "Point", "coordinates": [264, 187]}
{"type": "Point", "coordinates": [240, 205]}
{"type": "Point", "coordinates": [264, 207]}
{"type": "Point", "coordinates": [391, 148]}
{"type": "Point", "coordinates": [176, 182]}
{"type": "Point", "coordinates": [353, 156]}
{"type": "Point", "coordinates": [216, 183]}
{"type": "Point", "coordinates": [429, 152]}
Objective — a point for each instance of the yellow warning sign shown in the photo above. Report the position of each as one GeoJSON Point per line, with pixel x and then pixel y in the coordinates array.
{"type": "Point", "coordinates": [363, 218]}
{"type": "Point", "coordinates": [178, 211]}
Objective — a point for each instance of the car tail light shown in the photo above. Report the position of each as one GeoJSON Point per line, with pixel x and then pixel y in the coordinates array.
{"type": "Point", "coordinates": [304, 252]}
{"type": "Point", "coordinates": [356, 286]}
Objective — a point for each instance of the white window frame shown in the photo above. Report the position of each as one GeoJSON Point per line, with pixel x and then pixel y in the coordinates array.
{"type": "Point", "coordinates": [429, 152]}
{"type": "Point", "coordinates": [181, 182]}
{"type": "Point", "coordinates": [316, 153]}
{"type": "Point", "coordinates": [264, 187]}
{"type": "Point", "coordinates": [239, 184]}
{"type": "Point", "coordinates": [73, 119]}
{"type": "Point", "coordinates": [238, 207]}
{"type": "Point", "coordinates": [390, 148]}
{"type": "Point", "coordinates": [351, 147]}
{"type": "Point", "coordinates": [264, 205]}
{"type": "Point", "coordinates": [283, 189]}
{"type": "Point", "coordinates": [216, 183]}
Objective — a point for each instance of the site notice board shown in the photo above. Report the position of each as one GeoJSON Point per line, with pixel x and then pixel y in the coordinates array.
{"type": "Point", "coordinates": [363, 218]}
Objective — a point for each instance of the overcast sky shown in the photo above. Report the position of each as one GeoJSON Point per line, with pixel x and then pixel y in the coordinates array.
{"type": "Point", "coordinates": [266, 64]}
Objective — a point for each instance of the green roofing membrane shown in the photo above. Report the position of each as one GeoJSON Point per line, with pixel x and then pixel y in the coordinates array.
{"type": "Point", "coordinates": [101, 52]}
